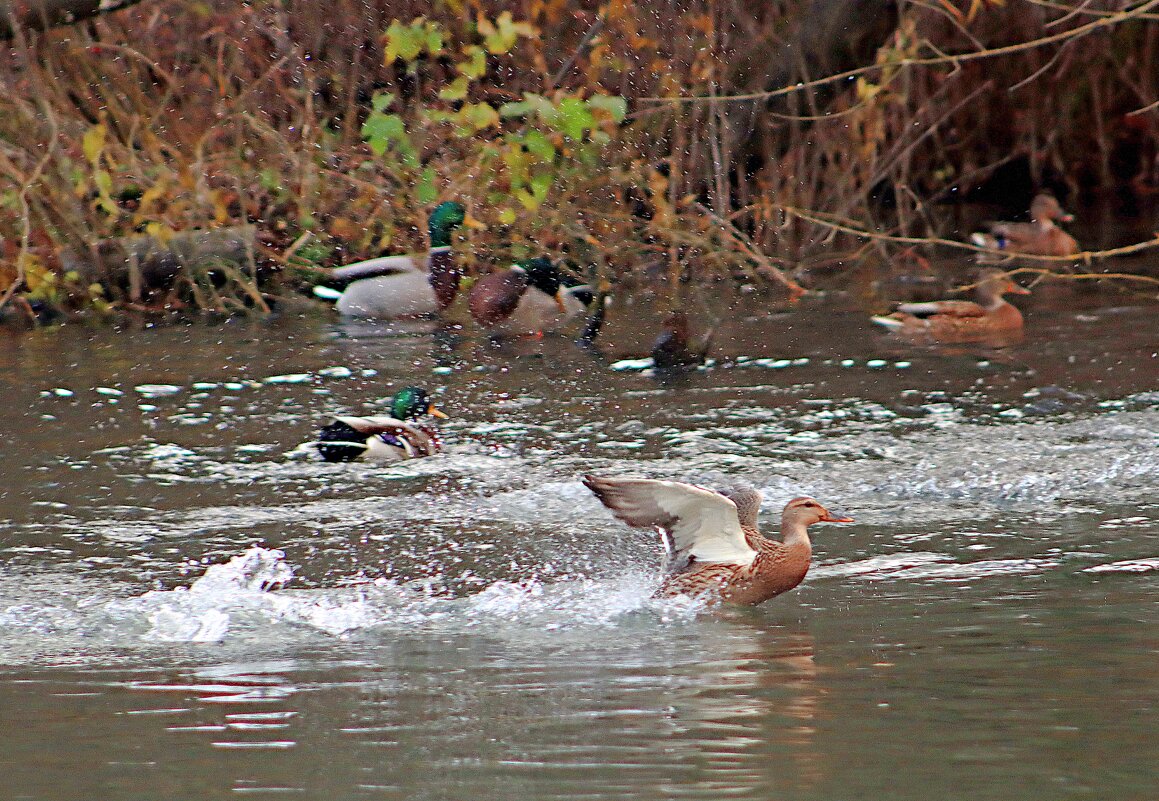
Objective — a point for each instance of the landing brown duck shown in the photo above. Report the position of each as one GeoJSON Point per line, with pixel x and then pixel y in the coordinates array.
{"type": "Point", "coordinates": [713, 545]}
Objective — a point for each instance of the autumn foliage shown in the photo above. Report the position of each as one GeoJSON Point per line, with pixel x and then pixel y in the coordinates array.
{"type": "Point", "coordinates": [607, 131]}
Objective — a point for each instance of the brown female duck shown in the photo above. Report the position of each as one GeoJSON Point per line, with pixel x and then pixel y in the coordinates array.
{"type": "Point", "coordinates": [990, 318]}
{"type": "Point", "coordinates": [1039, 237]}
{"type": "Point", "coordinates": [713, 546]}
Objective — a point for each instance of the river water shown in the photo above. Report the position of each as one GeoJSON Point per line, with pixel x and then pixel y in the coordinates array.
{"type": "Point", "coordinates": [193, 608]}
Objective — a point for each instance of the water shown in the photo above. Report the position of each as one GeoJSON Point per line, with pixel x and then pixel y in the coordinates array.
{"type": "Point", "coordinates": [193, 608]}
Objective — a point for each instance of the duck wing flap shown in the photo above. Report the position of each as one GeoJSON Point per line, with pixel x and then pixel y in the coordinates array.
{"type": "Point", "coordinates": [697, 523]}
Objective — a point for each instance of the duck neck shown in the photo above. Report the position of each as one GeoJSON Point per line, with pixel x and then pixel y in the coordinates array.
{"type": "Point", "coordinates": [989, 298]}
{"type": "Point", "coordinates": [444, 275]}
{"type": "Point", "coordinates": [795, 534]}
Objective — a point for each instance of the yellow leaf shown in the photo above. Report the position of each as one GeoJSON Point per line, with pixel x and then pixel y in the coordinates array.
{"type": "Point", "coordinates": [94, 142]}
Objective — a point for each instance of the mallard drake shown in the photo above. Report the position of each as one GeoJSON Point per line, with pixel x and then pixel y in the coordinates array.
{"type": "Point", "coordinates": [962, 320]}
{"type": "Point", "coordinates": [384, 439]}
{"type": "Point", "coordinates": [530, 297]}
{"type": "Point", "coordinates": [1039, 237]}
{"type": "Point", "coordinates": [403, 286]}
{"type": "Point", "coordinates": [714, 548]}
{"type": "Point", "coordinates": [674, 349]}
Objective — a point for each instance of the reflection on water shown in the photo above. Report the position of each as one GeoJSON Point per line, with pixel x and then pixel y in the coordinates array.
{"type": "Point", "coordinates": [192, 608]}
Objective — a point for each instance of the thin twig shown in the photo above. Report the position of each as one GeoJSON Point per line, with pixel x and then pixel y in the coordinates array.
{"type": "Point", "coordinates": [955, 59]}
{"type": "Point", "coordinates": [849, 227]}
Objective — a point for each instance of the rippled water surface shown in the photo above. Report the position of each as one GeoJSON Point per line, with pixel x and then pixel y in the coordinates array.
{"type": "Point", "coordinates": [192, 607]}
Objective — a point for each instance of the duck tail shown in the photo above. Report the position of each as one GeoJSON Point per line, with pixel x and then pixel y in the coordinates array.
{"type": "Point", "coordinates": [892, 323]}
{"type": "Point", "coordinates": [995, 241]}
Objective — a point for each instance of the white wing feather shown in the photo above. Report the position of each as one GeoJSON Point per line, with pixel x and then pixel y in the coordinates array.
{"type": "Point", "coordinates": [702, 524]}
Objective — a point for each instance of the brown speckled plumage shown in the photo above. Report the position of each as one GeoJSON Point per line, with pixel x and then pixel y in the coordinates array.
{"type": "Point", "coordinates": [714, 547]}
{"type": "Point", "coordinates": [991, 318]}
{"type": "Point", "coordinates": [1039, 237]}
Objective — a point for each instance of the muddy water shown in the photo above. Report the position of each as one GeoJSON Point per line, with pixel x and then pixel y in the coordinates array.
{"type": "Point", "coordinates": [191, 608]}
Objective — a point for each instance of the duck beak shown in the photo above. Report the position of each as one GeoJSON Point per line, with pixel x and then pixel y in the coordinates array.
{"type": "Point", "coordinates": [473, 224]}
{"type": "Point", "coordinates": [1015, 289]}
{"type": "Point", "coordinates": [434, 412]}
{"type": "Point", "coordinates": [1066, 217]}
{"type": "Point", "coordinates": [831, 518]}
{"type": "Point", "coordinates": [559, 301]}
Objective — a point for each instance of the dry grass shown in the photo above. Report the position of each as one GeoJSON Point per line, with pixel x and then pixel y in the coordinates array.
{"type": "Point", "coordinates": [216, 114]}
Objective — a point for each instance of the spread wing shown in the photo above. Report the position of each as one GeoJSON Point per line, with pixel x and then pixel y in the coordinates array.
{"type": "Point", "coordinates": [697, 523]}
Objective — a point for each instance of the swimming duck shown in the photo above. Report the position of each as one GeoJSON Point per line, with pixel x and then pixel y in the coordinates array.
{"type": "Point", "coordinates": [403, 286]}
{"type": "Point", "coordinates": [1039, 237]}
{"type": "Point", "coordinates": [530, 297]}
{"type": "Point", "coordinates": [714, 549]}
{"type": "Point", "coordinates": [384, 439]}
{"type": "Point", "coordinates": [962, 320]}
{"type": "Point", "coordinates": [674, 349]}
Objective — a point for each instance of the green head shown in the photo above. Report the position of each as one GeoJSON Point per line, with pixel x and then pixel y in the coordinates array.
{"type": "Point", "coordinates": [446, 217]}
{"type": "Point", "coordinates": [411, 403]}
{"type": "Point", "coordinates": [542, 274]}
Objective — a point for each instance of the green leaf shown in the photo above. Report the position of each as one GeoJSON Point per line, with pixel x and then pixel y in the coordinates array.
{"type": "Point", "coordinates": [433, 38]}
{"type": "Point", "coordinates": [476, 63]}
{"type": "Point", "coordinates": [382, 101]}
{"type": "Point", "coordinates": [409, 41]}
{"type": "Point", "coordinates": [616, 107]}
{"type": "Point", "coordinates": [478, 116]}
{"type": "Point", "coordinates": [574, 117]}
{"type": "Point", "coordinates": [401, 42]}
{"type": "Point", "coordinates": [456, 89]}
{"type": "Point", "coordinates": [380, 131]}
{"type": "Point", "coordinates": [539, 145]}
{"type": "Point", "coordinates": [507, 216]}
{"type": "Point", "coordinates": [426, 191]}
{"type": "Point", "coordinates": [502, 35]}
{"type": "Point", "coordinates": [104, 182]}
{"type": "Point", "coordinates": [540, 184]}
{"type": "Point", "coordinates": [516, 109]}
{"type": "Point", "coordinates": [526, 199]}
{"type": "Point", "coordinates": [518, 165]}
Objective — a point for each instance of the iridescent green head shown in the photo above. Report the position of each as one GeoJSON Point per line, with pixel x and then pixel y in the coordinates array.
{"type": "Point", "coordinates": [411, 403]}
{"type": "Point", "coordinates": [542, 273]}
{"type": "Point", "coordinates": [446, 217]}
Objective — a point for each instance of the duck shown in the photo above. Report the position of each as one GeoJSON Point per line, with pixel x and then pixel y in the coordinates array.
{"type": "Point", "coordinates": [714, 548]}
{"type": "Point", "coordinates": [991, 317]}
{"type": "Point", "coordinates": [528, 298]}
{"type": "Point", "coordinates": [674, 350]}
{"type": "Point", "coordinates": [412, 285]}
{"type": "Point", "coordinates": [1039, 237]}
{"type": "Point", "coordinates": [384, 439]}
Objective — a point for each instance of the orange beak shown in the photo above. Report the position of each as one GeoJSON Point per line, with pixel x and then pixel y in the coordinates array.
{"type": "Point", "coordinates": [434, 412]}
{"type": "Point", "coordinates": [829, 518]}
{"type": "Point", "coordinates": [1015, 289]}
{"type": "Point", "coordinates": [559, 302]}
